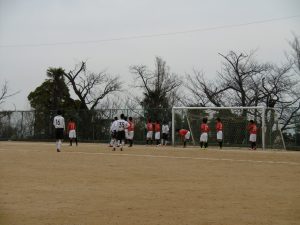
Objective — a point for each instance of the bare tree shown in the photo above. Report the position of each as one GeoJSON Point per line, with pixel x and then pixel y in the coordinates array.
{"type": "Point", "coordinates": [5, 94]}
{"type": "Point", "coordinates": [159, 86]}
{"type": "Point", "coordinates": [90, 87]}
{"type": "Point", "coordinates": [238, 83]}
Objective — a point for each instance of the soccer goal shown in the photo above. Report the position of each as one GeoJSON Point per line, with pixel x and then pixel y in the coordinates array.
{"type": "Point", "coordinates": [235, 122]}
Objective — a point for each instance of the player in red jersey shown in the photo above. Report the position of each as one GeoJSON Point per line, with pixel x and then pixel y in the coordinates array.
{"type": "Point", "coordinates": [219, 129]}
{"type": "Point", "coordinates": [184, 135]}
{"type": "Point", "coordinates": [72, 131]}
{"type": "Point", "coordinates": [149, 127]}
{"type": "Point", "coordinates": [157, 132]}
{"type": "Point", "coordinates": [204, 133]}
{"type": "Point", "coordinates": [130, 131]}
{"type": "Point", "coordinates": [252, 128]}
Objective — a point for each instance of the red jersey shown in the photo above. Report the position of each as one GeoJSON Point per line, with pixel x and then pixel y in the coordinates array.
{"type": "Point", "coordinates": [157, 127]}
{"type": "Point", "coordinates": [71, 126]}
{"type": "Point", "coordinates": [219, 126]}
{"type": "Point", "coordinates": [204, 128]}
{"type": "Point", "coordinates": [131, 126]}
{"type": "Point", "coordinates": [183, 132]}
{"type": "Point", "coordinates": [252, 128]}
{"type": "Point", "coordinates": [149, 127]}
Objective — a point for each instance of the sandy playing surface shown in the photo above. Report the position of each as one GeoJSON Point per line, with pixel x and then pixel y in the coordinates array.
{"type": "Point", "coordinates": [91, 185]}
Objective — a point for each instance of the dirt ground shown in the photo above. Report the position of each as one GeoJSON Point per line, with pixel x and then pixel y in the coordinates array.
{"type": "Point", "coordinates": [146, 185]}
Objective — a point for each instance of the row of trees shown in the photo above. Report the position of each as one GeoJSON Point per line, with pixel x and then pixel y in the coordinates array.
{"type": "Point", "coordinates": [241, 81]}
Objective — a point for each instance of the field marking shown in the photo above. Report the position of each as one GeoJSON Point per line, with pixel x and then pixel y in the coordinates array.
{"type": "Point", "coordinates": [185, 157]}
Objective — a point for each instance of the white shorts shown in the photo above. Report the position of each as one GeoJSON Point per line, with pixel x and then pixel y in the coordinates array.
{"type": "Point", "coordinates": [220, 135]}
{"type": "Point", "coordinates": [203, 137]}
{"type": "Point", "coordinates": [130, 135]}
{"type": "Point", "coordinates": [252, 138]}
{"type": "Point", "coordinates": [149, 134]}
{"type": "Point", "coordinates": [157, 135]}
{"type": "Point", "coordinates": [72, 134]}
{"type": "Point", "coordinates": [187, 136]}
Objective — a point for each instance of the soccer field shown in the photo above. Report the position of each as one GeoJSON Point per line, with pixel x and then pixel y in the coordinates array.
{"type": "Point", "coordinates": [145, 185]}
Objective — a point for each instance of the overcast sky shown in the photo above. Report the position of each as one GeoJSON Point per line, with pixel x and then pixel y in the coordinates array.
{"type": "Point", "coordinates": [38, 34]}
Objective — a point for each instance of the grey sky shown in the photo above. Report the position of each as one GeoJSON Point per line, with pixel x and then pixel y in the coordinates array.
{"type": "Point", "coordinates": [34, 22]}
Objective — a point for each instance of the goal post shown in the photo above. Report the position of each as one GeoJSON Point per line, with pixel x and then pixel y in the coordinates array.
{"type": "Point", "coordinates": [235, 121]}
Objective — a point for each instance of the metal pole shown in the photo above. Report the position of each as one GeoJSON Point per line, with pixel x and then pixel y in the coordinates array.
{"type": "Point", "coordinates": [173, 127]}
{"type": "Point", "coordinates": [263, 127]}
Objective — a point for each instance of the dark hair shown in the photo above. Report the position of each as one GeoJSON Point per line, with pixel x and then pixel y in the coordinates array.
{"type": "Point", "coordinates": [130, 118]}
{"type": "Point", "coordinates": [116, 118]}
{"type": "Point", "coordinates": [204, 120]}
{"type": "Point", "coordinates": [251, 121]}
{"type": "Point", "coordinates": [218, 119]}
{"type": "Point", "coordinates": [122, 116]}
{"type": "Point", "coordinates": [59, 112]}
{"type": "Point", "coordinates": [71, 119]}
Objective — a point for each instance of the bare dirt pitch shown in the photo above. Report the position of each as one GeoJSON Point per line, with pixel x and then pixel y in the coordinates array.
{"type": "Point", "coordinates": [91, 185]}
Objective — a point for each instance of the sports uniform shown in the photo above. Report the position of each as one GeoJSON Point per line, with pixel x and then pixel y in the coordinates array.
{"type": "Point", "coordinates": [130, 132]}
{"type": "Point", "coordinates": [252, 128]}
{"type": "Point", "coordinates": [72, 131]}
{"type": "Point", "coordinates": [157, 132]}
{"type": "Point", "coordinates": [165, 132]}
{"type": "Point", "coordinates": [219, 129]}
{"type": "Point", "coordinates": [121, 126]}
{"type": "Point", "coordinates": [59, 124]}
{"type": "Point", "coordinates": [149, 127]}
{"type": "Point", "coordinates": [185, 135]}
{"type": "Point", "coordinates": [204, 134]}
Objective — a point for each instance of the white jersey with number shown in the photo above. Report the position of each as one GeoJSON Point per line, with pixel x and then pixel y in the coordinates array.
{"type": "Point", "coordinates": [59, 122]}
{"type": "Point", "coordinates": [121, 124]}
{"type": "Point", "coordinates": [165, 129]}
{"type": "Point", "coordinates": [114, 126]}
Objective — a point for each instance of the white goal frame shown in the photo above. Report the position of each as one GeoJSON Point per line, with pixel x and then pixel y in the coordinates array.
{"type": "Point", "coordinates": [262, 108]}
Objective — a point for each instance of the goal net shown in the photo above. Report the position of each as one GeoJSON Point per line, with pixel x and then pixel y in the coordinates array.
{"type": "Point", "coordinates": [235, 122]}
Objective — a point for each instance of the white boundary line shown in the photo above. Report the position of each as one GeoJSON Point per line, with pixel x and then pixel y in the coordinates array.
{"type": "Point", "coordinates": [185, 157]}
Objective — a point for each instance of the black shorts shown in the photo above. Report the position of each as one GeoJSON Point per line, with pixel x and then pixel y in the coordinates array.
{"type": "Point", "coordinates": [121, 135]}
{"type": "Point", "coordinates": [59, 133]}
{"type": "Point", "coordinates": [165, 136]}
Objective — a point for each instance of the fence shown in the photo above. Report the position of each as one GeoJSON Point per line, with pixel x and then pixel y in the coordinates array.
{"type": "Point", "coordinates": [93, 126]}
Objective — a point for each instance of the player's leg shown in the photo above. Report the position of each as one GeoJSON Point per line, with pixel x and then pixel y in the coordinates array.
{"type": "Point", "coordinates": [205, 144]}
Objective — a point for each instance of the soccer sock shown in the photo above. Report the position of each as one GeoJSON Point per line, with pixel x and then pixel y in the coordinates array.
{"type": "Point", "coordinates": [220, 144]}
{"type": "Point", "coordinates": [157, 142]}
{"type": "Point", "coordinates": [184, 144]}
{"type": "Point", "coordinates": [147, 141]}
{"type": "Point", "coordinates": [59, 144]}
{"type": "Point", "coordinates": [205, 145]}
{"type": "Point", "coordinates": [56, 144]}
{"type": "Point", "coordinates": [76, 141]}
{"type": "Point", "coordinates": [71, 142]}
{"type": "Point", "coordinates": [201, 144]}
{"type": "Point", "coordinates": [252, 145]}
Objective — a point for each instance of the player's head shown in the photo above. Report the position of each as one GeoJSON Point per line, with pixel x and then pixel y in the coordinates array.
{"type": "Point", "coordinates": [251, 121]}
{"type": "Point", "coordinates": [122, 116]}
{"type": "Point", "coordinates": [130, 118]}
{"type": "Point", "coordinates": [204, 120]}
{"type": "Point", "coordinates": [58, 112]}
{"type": "Point", "coordinates": [71, 119]}
{"type": "Point", "coordinates": [218, 119]}
{"type": "Point", "coordinates": [116, 118]}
